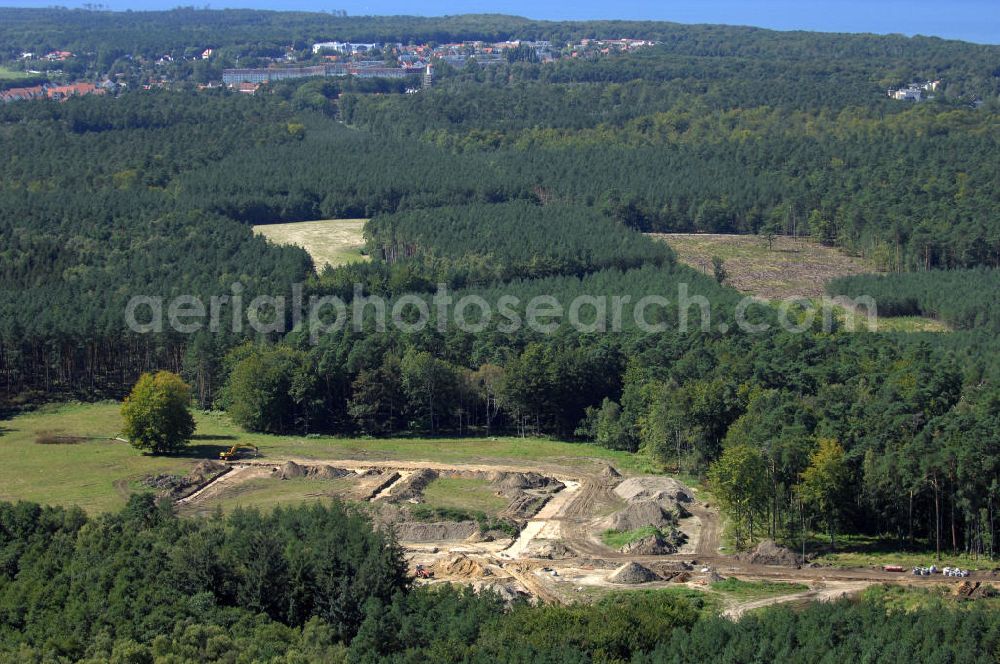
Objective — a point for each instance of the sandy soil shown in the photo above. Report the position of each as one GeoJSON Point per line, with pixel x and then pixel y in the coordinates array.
{"type": "Point", "coordinates": [570, 523]}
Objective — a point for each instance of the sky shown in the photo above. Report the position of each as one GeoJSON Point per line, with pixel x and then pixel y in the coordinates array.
{"type": "Point", "coordinates": [970, 20]}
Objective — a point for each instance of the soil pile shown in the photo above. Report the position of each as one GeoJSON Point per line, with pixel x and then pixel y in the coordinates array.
{"type": "Point", "coordinates": [461, 566]}
{"type": "Point", "coordinates": [327, 472]}
{"type": "Point", "coordinates": [165, 482]}
{"type": "Point", "coordinates": [412, 487]}
{"type": "Point", "coordinates": [715, 577]}
{"type": "Point", "coordinates": [639, 515]}
{"type": "Point", "coordinates": [438, 531]}
{"type": "Point", "coordinates": [654, 545]}
{"type": "Point", "coordinates": [769, 553]}
{"type": "Point", "coordinates": [524, 506]}
{"type": "Point", "coordinates": [609, 472]}
{"type": "Point", "coordinates": [508, 592]}
{"type": "Point", "coordinates": [176, 487]}
{"type": "Point", "coordinates": [516, 483]}
{"type": "Point", "coordinates": [975, 590]}
{"type": "Point", "coordinates": [204, 470]}
{"type": "Point", "coordinates": [550, 550]}
{"type": "Point", "coordinates": [290, 471]}
{"type": "Point", "coordinates": [663, 489]}
{"type": "Point", "coordinates": [633, 573]}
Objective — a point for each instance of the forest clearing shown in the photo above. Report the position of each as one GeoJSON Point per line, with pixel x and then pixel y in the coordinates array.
{"type": "Point", "coordinates": [330, 242]}
{"type": "Point", "coordinates": [790, 267]}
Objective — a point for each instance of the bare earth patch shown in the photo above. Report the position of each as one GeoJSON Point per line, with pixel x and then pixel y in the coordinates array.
{"type": "Point", "coordinates": [330, 242]}
{"type": "Point", "coordinates": [792, 267]}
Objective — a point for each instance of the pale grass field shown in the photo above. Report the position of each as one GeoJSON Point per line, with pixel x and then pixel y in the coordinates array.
{"type": "Point", "coordinates": [792, 267]}
{"type": "Point", "coordinates": [330, 241]}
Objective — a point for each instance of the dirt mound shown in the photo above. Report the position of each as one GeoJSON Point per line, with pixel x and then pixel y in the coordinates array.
{"type": "Point", "coordinates": [507, 592]}
{"type": "Point", "coordinates": [654, 545]}
{"type": "Point", "coordinates": [206, 469]}
{"type": "Point", "coordinates": [412, 487]}
{"type": "Point", "coordinates": [327, 472]}
{"type": "Point", "coordinates": [461, 566]}
{"type": "Point", "coordinates": [438, 531]}
{"type": "Point", "coordinates": [609, 472]}
{"type": "Point", "coordinates": [165, 482]}
{"type": "Point", "coordinates": [176, 487]}
{"type": "Point", "coordinates": [715, 577]}
{"type": "Point", "coordinates": [549, 550]}
{"type": "Point", "coordinates": [632, 573]}
{"type": "Point", "coordinates": [639, 515]}
{"type": "Point", "coordinates": [975, 590]}
{"type": "Point", "coordinates": [513, 483]}
{"type": "Point", "coordinates": [524, 506]}
{"type": "Point", "coordinates": [639, 489]}
{"type": "Point", "coordinates": [290, 471]}
{"type": "Point", "coordinates": [769, 553]}
{"type": "Point", "coordinates": [681, 577]}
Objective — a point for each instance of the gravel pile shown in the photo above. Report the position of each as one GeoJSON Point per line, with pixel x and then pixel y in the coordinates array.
{"type": "Point", "coordinates": [633, 573]}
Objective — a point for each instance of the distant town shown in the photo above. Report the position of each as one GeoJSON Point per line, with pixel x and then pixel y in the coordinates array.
{"type": "Point", "coordinates": [327, 58]}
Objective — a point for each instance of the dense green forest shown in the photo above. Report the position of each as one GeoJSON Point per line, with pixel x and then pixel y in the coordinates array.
{"type": "Point", "coordinates": [311, 584]}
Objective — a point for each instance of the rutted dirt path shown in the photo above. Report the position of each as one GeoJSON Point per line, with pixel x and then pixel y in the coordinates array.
{"type": "Point", "coordinates": [830, 593]}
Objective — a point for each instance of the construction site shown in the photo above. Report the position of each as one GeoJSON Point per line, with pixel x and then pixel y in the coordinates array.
{"type": "Point", "coordinates": [539, 531]}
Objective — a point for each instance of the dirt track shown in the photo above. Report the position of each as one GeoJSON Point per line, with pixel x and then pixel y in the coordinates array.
{"type": "Point", "coordinates": [570, 521]}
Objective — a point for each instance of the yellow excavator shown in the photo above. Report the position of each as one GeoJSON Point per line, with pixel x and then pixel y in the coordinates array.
{"type": "Point", "coordinates": [237, 451]}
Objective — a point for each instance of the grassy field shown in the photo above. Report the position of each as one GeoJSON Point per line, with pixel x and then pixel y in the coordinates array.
{"type": "Point", "coordinates": [746, 591]}
{"type": "Point", "coordinates": [11, 74]}
{"type": "Point", "coordinates": [792, 267]}
{"type": "Point", "coordinates": [330, 242]}
{"type": "Point", "coordinates": [867, 551]}
{"type": "Point", "coordinates": [100, 473]}
{"type": "Point", "coordinates": [464, 494]}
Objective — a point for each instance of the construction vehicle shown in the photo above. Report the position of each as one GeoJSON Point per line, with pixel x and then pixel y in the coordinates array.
{"type": "Point", "coordinates": [237, 451]}
{"type": "Point", "coordinates": [424, 573]}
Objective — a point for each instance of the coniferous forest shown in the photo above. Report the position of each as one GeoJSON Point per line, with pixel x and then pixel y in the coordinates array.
{"type": "Point", "coordinates": [525, 179]}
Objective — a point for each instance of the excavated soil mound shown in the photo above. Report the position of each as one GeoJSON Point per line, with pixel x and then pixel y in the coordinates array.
{"type": "Point", "coordinates": [609, 472]}
{"type": "Point", "coordinates": [438, 531]}
{"type": "Point", "coordinates": [206, 469]}
{"type": "Point", "coordinates": [524, 506]}
{"type": "Point", "coordinates": [507, 592]}
{"type": "Point", "coordinates": [327, 472]}
{"type": "Point", "coordinates": [632, 573]}
{"type": "Point", "coordinates": [176, 487]}
{"type": "Point", "coordinates": [715, 577]}
{"type": "Point", "coordinates": [682, 577]}
{"type": "Point", "coordinates": [517, 482]}
{"type": "Point", "coordinates": [975, 590]}
{"type": "Point", "coordinates": [654, 545]}
{"type": "Point", "coordinates": [412, 488]}
{"type": "Point", "coordinates": [637, 489]}
{"type": "Point", "coordinates": [463, 567]}
{"type": "Point", "coordinates": [290, 471]}
{"type": "Point", "coordinates": [769, 553]}
{"type": "Point", "coordinates": [549, 550]}
{"type": "Point", "coordinates": [640, 515]}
